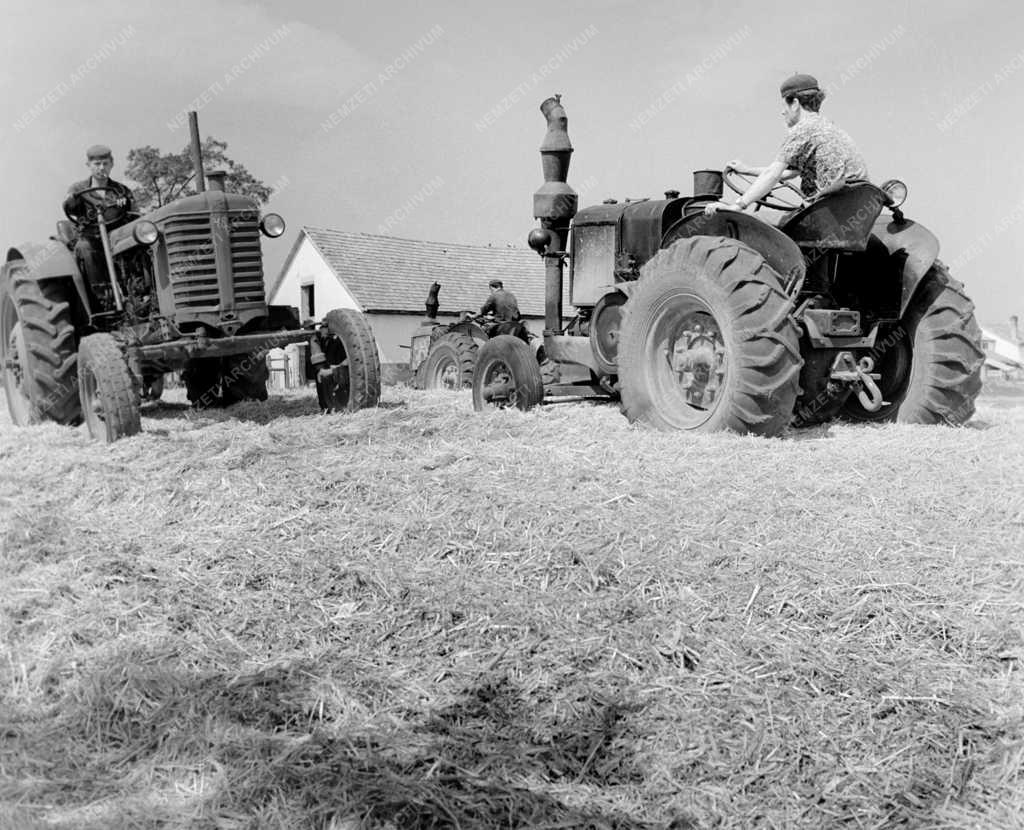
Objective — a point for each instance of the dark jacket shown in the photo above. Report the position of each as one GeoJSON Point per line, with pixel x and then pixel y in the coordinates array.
{"type": "Point", "coordinates": [503, 304]}
{"type": "Point", "coordinates": [117, 193]}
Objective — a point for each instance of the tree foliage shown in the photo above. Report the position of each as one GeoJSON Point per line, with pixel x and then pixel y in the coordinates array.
{"type": "Point", "coordinates": [164, 178]}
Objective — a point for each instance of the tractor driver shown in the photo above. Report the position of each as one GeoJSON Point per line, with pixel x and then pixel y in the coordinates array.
{"type": "Point", "coordinates": [116, 202]}
{"type": "Point", "coordinates": [502, 304]}
{"type": "Point", "coordinates": [820, 153]}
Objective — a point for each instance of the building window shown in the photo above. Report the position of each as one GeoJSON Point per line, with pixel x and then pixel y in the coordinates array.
{"type": "Point", "coordinates": [308, 309]}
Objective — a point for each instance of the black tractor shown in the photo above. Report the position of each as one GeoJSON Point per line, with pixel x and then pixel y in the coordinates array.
{"type": "Point", "coordinates": [694, 322]}
{"type": "Point", "coordinates": [443, 355]}
{"type": "Point", "coordinates": [185, 293]}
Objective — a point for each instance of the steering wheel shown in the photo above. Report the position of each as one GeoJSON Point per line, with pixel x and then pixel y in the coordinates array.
{"type": "Point", "coordinates": [740, 182]}
{"type": "Point", "coordinates": [92, 208]}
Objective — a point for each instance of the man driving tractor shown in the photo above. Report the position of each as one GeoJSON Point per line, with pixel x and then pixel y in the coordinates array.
{"type": "Point", "coordinates": [84, 200]}
{"type": "Point", "coordinates": [504, 306]}
{"type": "Point", "coordinates": [820, 153]}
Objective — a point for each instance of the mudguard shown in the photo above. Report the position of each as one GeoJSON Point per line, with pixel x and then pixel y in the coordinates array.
{"type": "Point", "coordinates": [778, 250]}
{"type": "Point", "coordinates": [915, 244]}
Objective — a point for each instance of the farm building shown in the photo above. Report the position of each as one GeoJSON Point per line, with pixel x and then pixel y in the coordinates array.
{"type": "Point", "coordinates": [1004, 350]}
{"type": "Point", "coordinates": [388, 278]}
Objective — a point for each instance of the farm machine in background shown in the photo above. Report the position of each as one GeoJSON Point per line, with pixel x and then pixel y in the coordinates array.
{"type": "Point", "coordinates": [186, 292]}
{"type": "Point", "coordinates": [443, 355]}
{"type": "Point", "coordinates": [703, 323]}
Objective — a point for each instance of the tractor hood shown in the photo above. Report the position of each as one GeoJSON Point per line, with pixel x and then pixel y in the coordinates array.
{"type": "Point", "coordinates": [211, 201]}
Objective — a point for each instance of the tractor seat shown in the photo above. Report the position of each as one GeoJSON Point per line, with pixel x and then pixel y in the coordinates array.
{"type": "Point", "coordinates": [67, 233]}
{"type": "Point", "coordinates": [840, 220]}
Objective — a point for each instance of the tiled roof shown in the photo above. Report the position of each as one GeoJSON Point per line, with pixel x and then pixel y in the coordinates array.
{"type": "Point", "coordinates": [386, 273]}
{"type": "Point", "coordinates": [1002, 330]}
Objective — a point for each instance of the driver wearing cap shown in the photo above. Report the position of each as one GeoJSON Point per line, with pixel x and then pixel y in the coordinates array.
{"type": "Point", "coordinates": [820, 153]}
{"type": "Point", "coordinates": [115, 199]}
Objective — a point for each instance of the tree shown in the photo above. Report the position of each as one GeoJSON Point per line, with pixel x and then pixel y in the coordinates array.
{"type": "Point", "coordinates": [162, 179]}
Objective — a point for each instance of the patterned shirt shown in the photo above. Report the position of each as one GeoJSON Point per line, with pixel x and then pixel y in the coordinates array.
{"type": "Point", "coordinates": [824, 155]}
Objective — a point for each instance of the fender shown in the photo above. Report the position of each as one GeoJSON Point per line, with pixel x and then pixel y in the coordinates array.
{"type": "Point", "coordinates": [778, 250]}
{"type": "Point", "coordinates": [916, 245]}
{"type": "Point", "coordinates": [54, 262]}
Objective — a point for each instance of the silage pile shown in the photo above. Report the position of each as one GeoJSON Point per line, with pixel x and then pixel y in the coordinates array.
{"type": "Point", "coordinates": [423, 617]}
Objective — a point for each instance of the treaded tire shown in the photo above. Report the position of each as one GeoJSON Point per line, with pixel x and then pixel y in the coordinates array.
{"type": "Point", "coordinates": [110, 398]}
{"type": "Point", "coordinates": [244, 378]}
{"type": "Point", "coordinates": [941, 341]}
{"type": "Point", "coordinates": [732, 283]}
{"type": "Point", "coordinates": [507, 374]}
{"type": "Point", "coordinates": [201, 377]}
{"type": "Point", "coordinates": [449, 363]}
{"type": "Point", "coordinates": [351, 380]}
{"type": "Point", "coordinates": [37, 330]}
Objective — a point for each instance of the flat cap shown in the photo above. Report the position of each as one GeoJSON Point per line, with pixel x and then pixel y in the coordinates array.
{"type": "Point", "coordinates": [798, 83]}
{"type": "Point", "coordinates": [495, 284]}
{"type": "Point", "coordinates": [98, 151]}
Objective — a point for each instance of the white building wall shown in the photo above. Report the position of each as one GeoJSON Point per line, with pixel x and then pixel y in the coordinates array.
{"type": "Point", "coordinates": [308, 267]}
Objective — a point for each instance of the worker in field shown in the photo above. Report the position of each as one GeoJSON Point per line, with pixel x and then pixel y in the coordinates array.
{"type": "Point", "coordinates": [503, 306]}
{"type": "Point", "coordinates": [820, 153]}
{"type": "Point", "coordinates": [113, 198]}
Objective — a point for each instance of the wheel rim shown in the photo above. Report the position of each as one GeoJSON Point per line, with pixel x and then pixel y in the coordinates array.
{"type": "Point", "coordinates": [688, 359]}
{"type": "Point", "coordinates": [92, 404]}
{"type": "Point", "coordinates": [499, 388]}
{"type": "Point", "coordinates": [445, 375]}
{"type": "Point", "coordinates": [14, 372]}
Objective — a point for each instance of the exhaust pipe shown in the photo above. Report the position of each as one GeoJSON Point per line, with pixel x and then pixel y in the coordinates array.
{"type": "Point", "coordinates": [554, 203]}
{"type": "Point", "coordinates": [197, 151]}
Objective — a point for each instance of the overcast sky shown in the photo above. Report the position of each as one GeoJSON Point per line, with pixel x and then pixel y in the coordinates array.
{"type": "Point", "coordinates": [421, 118]}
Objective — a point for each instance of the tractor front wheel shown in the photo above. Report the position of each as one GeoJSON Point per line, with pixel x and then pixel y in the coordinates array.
{"type": "Point", "coordinates": [110, 400]}
{"type": "Point", "coordinates": [450, 362]}
{"type": "Point", "coordinates": [930, 364]}
{"type": "Point", "coordinates": [350, 380]}
{"type": "Point", "coordinates": [708, 342]}
{"type": "Point", "coordinates": [507, 374]}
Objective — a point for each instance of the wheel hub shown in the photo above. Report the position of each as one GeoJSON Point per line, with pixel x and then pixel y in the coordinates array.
{"type": "Point", "coordinates": [697, 356]}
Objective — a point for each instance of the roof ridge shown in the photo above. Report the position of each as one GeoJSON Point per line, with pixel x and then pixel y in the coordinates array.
{"type": "Point", "coordinates": [469, 245]}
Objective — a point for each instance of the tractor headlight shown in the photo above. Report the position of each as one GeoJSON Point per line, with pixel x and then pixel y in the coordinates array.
{"type": "Point", "coordinates": [272, 225]}
{"type": "Point", "coordinates": [145, 233]}
{"type": "Point", "coordinates": [895, 190]}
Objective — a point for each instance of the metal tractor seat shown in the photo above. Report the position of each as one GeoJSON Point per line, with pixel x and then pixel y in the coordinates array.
{"type": "Point", "coordinates": [838, 220]}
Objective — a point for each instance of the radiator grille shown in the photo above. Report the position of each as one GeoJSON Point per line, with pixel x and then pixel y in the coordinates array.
{"type": "Point", "coordinates": [193, 266]}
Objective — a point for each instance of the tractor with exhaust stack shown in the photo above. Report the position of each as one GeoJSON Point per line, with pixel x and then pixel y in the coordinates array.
{"type": "Point", "coordinates": [840, 309]}
{"type": "Point", "coordinates": [186, 293]}
{"type": "Point", "coordinates": [443, 355]}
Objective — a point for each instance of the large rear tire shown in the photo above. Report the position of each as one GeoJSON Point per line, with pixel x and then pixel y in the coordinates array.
{"type": "Point", "coordinates": [708, 342]}
{"type": "Point", "coordinates": [351, 379]}
{"type": "Point", "coordinates": [110, 399]}
{"type": "Point", "coordinates": [37, 349]}
{"type": "Point", "coordinates": [244, 378]}
{"type": "Point", "coordinates": [931, 362]}
{"type": "Point", "coordinates": [507, 374]}
{"type": "Point", "coordinates": [450, 362]}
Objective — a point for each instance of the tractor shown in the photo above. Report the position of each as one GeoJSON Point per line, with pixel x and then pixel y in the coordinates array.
{"type": "Point", "coordinates": [730, 322]}
{"type": "Point", "coordinates": [185, 293]}
{"type": "Point", "coordinates": [443, 355]}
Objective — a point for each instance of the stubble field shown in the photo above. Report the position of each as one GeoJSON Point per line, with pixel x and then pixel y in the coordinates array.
{"type": "Point", "coordinates": [418, 616]}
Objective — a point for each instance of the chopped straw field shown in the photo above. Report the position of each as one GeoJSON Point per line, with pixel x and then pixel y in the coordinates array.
{"type": "Point", "coordinates": [419, 616]}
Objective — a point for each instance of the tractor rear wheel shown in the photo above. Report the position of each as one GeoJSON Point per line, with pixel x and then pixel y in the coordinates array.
{"type": "Point", "coordinates": [37, 348]}
{"type": "Point", "coordinates": [507, 374]}
{"type": "Point", "coordinates": [931, 362]}
{"type": "Point", "coordinates": [244, 378]}
{"type": "Point", "coordinates": [708, 342]}
{"type": "Point", "coordinates": [110, 399]}
{"type": "Point", "coordinates": [351, 379]}
{"type": "Point", "coordinates": [201, 377]}
{"type": "Point", "coordinates": [449, 363]}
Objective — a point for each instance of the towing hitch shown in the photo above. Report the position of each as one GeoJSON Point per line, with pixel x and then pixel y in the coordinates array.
{"type": "Point", "coordinates": [859, 374]}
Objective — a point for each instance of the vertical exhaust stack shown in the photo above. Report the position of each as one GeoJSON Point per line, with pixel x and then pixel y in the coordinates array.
{"type": "Point", "coordinates": [554, 204]}
{"type": "Point", "coordinates": [197, 151]}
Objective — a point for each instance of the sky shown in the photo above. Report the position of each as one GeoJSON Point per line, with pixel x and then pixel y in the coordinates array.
{"type": "Point", "coordinates": [421, 120]}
